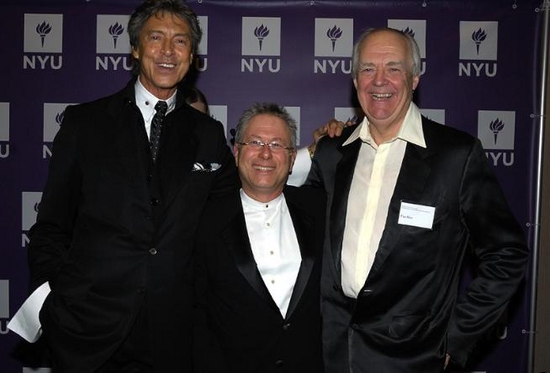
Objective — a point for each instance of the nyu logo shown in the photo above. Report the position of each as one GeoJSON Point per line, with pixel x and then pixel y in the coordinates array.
{"type": "Point", "coordinates": [295, 112]}
{"type": "Point", "coordinates": [496, 131]}
{"type": "Point", "coordinates": [437, 115]}
{"type": "Point", "coordinates": [219, 112]}
{"type": "Point", "coordinates": [349, 114]}
{"type": "Point", "coordinates": [333, 42]}
{"type": "Point", "coordinates": [261, 37]}
{"type": "Point", "coordinates": [201, 61]}
{"type": "Point", "coordinates": [4, 305]}
{"type": "Point", "coordinates": [43, 33]}
{"type": "Point", "coordinates": [112, 43]}
{"type": "Point", "coordinates": [29, 209]}
{"type": "Point", "coordinates": [478, 42]}
{"type": "Point", "coordinates": [415, 28]}
{"type": "Point", "coordinates": [53, 116]}
{"type": "Point", "coordinates": [4, 129]}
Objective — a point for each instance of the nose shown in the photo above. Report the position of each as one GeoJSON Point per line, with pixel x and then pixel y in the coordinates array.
{"type": "Point", "coordinates": [167, 47]}
{"type": "Point", "coordinates": [265, 152]}
{"type": "Point", "coordinates": [380, 77]}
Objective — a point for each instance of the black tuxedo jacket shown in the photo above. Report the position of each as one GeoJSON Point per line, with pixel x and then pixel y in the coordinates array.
{"type": "Point", "coordinates": [407, 316]}
{"type": "Point", "coordinates": [114, 233]}
{"type": "Point", "coordinates": [242, 329]}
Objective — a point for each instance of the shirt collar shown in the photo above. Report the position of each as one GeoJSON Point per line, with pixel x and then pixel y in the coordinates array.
{"type": "Point", "coordinates": [146, 101]}
{"type": "Point", "coordinates": [251, 204]}
{"type": "Point", "coordinates": [410, 131]}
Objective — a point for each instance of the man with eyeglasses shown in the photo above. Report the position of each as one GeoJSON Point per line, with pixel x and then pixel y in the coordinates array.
{"type": "Point", "coordinates": [258, 259]}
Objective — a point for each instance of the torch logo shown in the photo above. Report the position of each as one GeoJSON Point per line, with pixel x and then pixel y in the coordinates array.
{"type": "Point", "coordinates": [478, 36]}
{"type": "Point", "coordinates": [496, 126]}
{"type": "Point", "coordinates": [261, 33]}
{"type": "Point", "coordinates": [115, 31]}
{"type": "Point", "coordinates": [42, 30]}
{"type": "Point", "coordinates": [496, 129]}
{"type": "Point", "coordinates": [334, 34]}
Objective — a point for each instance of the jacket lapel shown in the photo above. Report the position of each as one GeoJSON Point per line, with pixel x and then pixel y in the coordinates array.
{"type": "Point", "coordinates": [410, 186]}
{"type": "Point", "coordinates": [177, 151]}
{"type": "Point", "coordinates": [235, 237]}
{"type": "Point", "coordinates": [304, 228]}
{"type": "Point", "coordinates": [342, 185]}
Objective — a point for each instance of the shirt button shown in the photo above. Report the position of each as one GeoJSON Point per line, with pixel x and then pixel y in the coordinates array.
{"type": "Point", "coordinates": [153, 251]}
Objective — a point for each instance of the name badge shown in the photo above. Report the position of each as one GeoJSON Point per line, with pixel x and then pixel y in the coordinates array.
{"type": "Point", "coordinates": [416, 215]}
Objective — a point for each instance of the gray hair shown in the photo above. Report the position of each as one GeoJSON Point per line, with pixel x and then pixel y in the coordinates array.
{"type": "Point", "coordinates": [413, 49]}
{"type": "Point", "coordinates": [269, 109]}
{"type": "Point", "coordinates": [150, 8]}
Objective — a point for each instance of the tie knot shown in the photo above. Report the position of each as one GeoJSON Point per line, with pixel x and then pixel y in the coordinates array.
{"type": "Point", "coordinates": [161, 107]}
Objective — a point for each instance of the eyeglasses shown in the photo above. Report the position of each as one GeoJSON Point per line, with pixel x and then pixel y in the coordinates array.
{"type": "Point", "coordinates": [273, 146]}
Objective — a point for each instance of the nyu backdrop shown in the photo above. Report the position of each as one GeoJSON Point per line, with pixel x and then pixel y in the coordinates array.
{"type": "Point", "coordinates": [479, 63]}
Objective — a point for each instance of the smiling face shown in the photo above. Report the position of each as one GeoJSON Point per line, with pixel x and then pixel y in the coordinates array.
{"type": "Point", "coordinates": [385, 82]}
{"type": "Point", "coordinates": [164, 53]}
{"type": "Point", "coordinates": [264, 172]}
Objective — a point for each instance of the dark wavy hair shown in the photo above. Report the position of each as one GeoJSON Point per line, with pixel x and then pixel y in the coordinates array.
{"type": "Point", "coordinates": [150, 8]}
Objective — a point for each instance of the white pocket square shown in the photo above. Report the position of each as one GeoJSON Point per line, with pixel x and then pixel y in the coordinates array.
{"type": "Point", "coordinates": [206, 167]}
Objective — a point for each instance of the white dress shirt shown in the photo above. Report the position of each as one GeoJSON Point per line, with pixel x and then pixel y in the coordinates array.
{"type": "Point", "coordinates": [146, 102]}
{"type": "Point", "coordinates": [274, 246]}
{"type": "Point", "coordinates": [372, 186]}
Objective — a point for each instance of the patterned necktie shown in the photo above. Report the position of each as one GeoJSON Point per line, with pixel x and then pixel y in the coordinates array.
{"type": "Point", "coordinates": [156, 126]}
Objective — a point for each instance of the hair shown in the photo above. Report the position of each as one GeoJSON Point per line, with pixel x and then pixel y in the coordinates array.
{"type": "Point", "coordinates": [192, 94]}
{"type": "Point", "coordinates": [269, 109]}
{"type": "Point", "coordinates": [413, 49]}
{"type": "Point", "coordinates": [150, 8]}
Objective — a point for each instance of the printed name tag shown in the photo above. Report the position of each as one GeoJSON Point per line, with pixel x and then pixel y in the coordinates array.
{"type": "Point", "coordinates": [416, 215]}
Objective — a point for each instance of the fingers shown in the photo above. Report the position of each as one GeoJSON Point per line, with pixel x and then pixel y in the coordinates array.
{"type": "Point", "coordinates": [334, 128]}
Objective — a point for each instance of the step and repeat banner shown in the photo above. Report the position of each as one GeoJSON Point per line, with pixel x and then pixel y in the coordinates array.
{"type": "Point", "coordinates": [480, 63]}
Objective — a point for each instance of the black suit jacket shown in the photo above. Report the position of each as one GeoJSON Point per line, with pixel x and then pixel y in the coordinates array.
{"type": "Point", "coordinates": [242, 329]}
{"type": "Point", "coordinates": [407, 316]}
{"type": "Point", "coordinates": [114, 234]}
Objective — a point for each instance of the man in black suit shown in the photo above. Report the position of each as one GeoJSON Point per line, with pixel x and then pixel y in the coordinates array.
{"type": "Point", "coordinates": [259, 259]}
{"type": "Point", "coordinates": [407, 197]}
{"type": "Point", "coordinates": [114, 233]}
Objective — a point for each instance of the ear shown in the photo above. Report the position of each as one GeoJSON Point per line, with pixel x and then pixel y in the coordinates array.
{"type": "Point", "coordinates": [135, 53]}
{"type": "Point", "coordinates": [236, 154]}
{"type": "Point", "coordinates": [292, 160]}
{"type": "Point", "coordinates": [355, 83]}
{"type": "Point", "coordinates": [416, 80]}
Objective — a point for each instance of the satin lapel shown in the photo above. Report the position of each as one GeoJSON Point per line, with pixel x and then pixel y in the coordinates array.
{"type": "Point", "coordinates": [235, 237]}
{"type": "Point", "coordinates": [342, 184]}
{"type": "Point", "coordinates": [411, 183]}
{"type": "Point", "coordinates": [305, 233]}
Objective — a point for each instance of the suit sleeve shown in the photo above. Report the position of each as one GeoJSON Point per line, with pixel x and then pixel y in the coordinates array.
{"type": "Point", "coordinates": [498, 243]}
{"type": "Point", "coordinates": [51, 235]}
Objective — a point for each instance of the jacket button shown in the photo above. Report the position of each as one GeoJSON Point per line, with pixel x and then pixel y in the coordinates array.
{"type": "Point", "coordinates": [279, 363]}
{"type": "Point", "coordinates": [286, 326]}
{"type": "Point", "coordinates": [154, 201]}
{"type": "Point", "coordinates": [367, 291]}
{"type": "Point", "coordinates": [153, 251]}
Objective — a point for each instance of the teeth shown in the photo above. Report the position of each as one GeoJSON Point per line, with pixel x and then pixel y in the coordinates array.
{"type": "Point", "coordinates": [169, 65]}
{"type": "Point", "coordinates": [260, 168]}
{"type": "Point", "coordinates": [379, 96]}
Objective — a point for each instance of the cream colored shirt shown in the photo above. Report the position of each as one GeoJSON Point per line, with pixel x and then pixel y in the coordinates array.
{"type": "Point", "coordinates": [274, 246]}
{"type": "Point", "coordinates": [370, 193]}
